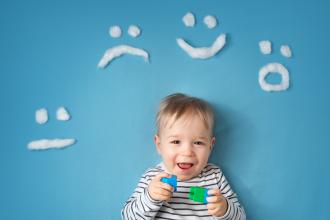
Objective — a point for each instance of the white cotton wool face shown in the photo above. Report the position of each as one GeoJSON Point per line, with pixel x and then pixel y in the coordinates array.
{"type": "Point", "coordinates": [134, 31]}
{"type": "Point", "coordinates": [286, 51]}
{"type": "Point", "coordinates": [41, 116]}
{"type": "Point", "coordinates": [189, 19]}
{"type": "Point", "coordinates": [62, 114]}
{"type": "Point", "coordinates": [265, 47]}
{"type": "Point", "coordinates": [210, 21]}
{"type": "Point", "coordinates": [115, 31]}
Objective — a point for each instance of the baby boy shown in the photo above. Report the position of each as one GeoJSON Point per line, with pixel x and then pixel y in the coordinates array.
{"type": "Point", "coordinates": [184, 140]}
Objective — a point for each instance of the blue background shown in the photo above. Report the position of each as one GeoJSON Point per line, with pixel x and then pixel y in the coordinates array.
{"type": "Point", "coordinates": [273, 147]}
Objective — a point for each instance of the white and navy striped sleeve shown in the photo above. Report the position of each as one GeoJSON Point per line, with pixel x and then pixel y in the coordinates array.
{"type": "Point", "coordinates": [140, 205]}
{"type": "Point", "coordinates": [234, 211]}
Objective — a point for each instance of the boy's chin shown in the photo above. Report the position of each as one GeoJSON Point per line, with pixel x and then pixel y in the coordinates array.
{"type": "Point", "coordinates": [185, 177]}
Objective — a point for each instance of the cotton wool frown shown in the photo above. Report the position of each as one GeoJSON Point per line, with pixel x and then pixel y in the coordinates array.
{"type": "Point", "coordinates": [201, 52]}
{"type": "Point", "coordinates": [120, 50]}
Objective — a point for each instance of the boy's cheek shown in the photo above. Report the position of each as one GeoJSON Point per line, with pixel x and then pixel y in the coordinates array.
{"type": "Point", "coordinates": [170, 155]}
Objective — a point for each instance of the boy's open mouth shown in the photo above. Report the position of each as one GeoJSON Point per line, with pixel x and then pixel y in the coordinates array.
{"type": "Point", "coordinates": [185, 166]}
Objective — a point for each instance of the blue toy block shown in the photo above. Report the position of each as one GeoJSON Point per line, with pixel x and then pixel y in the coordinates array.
{"type": "Point", "coordinates": [171, 181]}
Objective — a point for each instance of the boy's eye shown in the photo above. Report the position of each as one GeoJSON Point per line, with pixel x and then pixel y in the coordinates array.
{"type": "Point", "coordinates": [199, 143]}
{"type": "Point", "coordinates": [175, 142]}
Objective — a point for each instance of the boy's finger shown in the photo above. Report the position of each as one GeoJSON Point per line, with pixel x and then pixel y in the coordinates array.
{"type": "Point", "coordinates": [215, 199]}
{"type": "Point", "coordinates": [165, 192]}
{"type": "Point", "coordinates": [212, 199]}
{"type": "Point", "coordinates": [165, 186]}
{"type": "Point", "coordinates": [165, 198]}
{"type": "Point", "coordinates": [214, 192]}
{"type": "Point", "coordinates": [162, 192]}
{"type": "Point", "coordinates": [211, 206]}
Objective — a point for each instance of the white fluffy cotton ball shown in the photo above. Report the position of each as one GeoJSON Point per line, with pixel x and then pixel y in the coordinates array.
{"type": "Point", "coordinates": [115, 31]}
{"type": "Point", "coordinates": [210, 21]}
{"type": "Point", "coordinates": [134, 31]}
{"type": "Point", "coordinates": [189, 19]}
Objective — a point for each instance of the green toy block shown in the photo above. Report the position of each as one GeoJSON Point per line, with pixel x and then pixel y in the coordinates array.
{"type": "Point", "coordinates": [198, 194]}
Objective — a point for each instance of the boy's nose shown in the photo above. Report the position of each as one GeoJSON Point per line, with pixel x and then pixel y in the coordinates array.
{"type": "Point", "coordinates": [187, 150]}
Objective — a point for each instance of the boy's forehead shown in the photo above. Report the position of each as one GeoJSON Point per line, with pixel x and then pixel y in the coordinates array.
{"type": "Point", "coordinates": [171, 125]}
{"type": "Point", "coordinates": [183, 120]}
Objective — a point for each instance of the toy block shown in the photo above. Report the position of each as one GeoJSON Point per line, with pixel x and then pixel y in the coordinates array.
{"type": "Point", "coordinates": [171, 181]}
{"type": "Point", "coordinates": [198, 194]}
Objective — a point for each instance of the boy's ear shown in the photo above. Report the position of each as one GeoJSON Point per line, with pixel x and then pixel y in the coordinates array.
{"type": "Point", "coordinates": [212, 142]}
{"type": "Point", "coordinates": [157, 142]}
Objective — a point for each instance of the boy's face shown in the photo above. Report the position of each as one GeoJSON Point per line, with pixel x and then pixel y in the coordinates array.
{"type": "Point", "coordinates": [185, 146]}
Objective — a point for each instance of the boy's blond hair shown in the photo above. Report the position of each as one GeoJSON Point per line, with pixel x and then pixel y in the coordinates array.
{"type": "Point", "coordinates": [175, 106]}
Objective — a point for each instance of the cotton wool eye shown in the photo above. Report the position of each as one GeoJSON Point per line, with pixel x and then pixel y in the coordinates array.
{"type": "Point", "coordinates": [210, 21]}
{"type": "Point", "coordinates": [189, 19]}
{"type": "Point", "coordinates": [62, 114]}
{"type": "Point", "coordinates": [115, 31]}
{"type": "Point", "coordinates": [265, 47]}
{"type": "Point", "coordinates": [41, 116]}
{"type": "Point", "coordinates": [286, 51]}
{"type": "Point", "coordinates": [134, 31]}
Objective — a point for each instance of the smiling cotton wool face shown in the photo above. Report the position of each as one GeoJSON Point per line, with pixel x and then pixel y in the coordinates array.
{"type": "Point", "coordinates": [201, 52]}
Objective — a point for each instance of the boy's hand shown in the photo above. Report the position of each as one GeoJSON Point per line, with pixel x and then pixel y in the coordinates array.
{"type": "Point", "coordinates": [158, 190]}
{"type": "Point", "coordinates": [217, 203]}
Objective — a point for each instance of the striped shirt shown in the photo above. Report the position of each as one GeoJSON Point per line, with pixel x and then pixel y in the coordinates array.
{"type": "Point", "coordinates": [141, 206]}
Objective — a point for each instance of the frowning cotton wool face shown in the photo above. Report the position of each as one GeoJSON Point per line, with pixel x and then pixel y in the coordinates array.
{"type": "Point", "coordinates": [119, 50]}
{"type": "Point", "coordinates": [201, 52]}
{"type": "Point", "coordinates": [41, 116]}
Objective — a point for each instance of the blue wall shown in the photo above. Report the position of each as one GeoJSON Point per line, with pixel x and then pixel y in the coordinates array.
{"type": "Point", "coordinates": [273, 147]}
